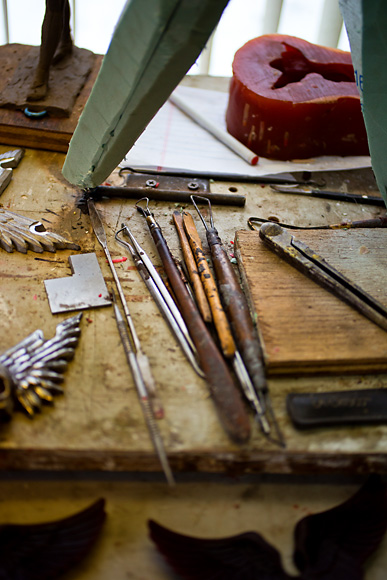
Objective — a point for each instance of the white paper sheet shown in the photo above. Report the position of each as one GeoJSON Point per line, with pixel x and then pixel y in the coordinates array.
{"type": "Point", "coordinates": [174, 141]}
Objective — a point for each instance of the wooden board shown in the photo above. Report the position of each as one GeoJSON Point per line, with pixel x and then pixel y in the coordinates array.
{"type": "Point", "coordinates": [50, 133]}
{"type": "Point", "coordinates": [304, 328]}
{"type": "Point", "coordinates": [97, 425]}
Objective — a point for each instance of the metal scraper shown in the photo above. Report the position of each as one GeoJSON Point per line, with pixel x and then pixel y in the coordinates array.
{"type": "Point", "coordinates": [86, 287]}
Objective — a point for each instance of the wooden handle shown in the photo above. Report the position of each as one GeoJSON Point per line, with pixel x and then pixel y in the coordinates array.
{"type": "Point", "coordinates": [194, 275]}
{"type": "Point", "coordinates": [220, 320]}
{"type": "Point", "coordinates": [238, 313]}
{"type": "Point", "coordinates": [226, 395]}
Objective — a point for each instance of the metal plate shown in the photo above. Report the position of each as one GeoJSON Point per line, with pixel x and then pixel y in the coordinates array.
{"type": "Point", "coordinates": [86, 288]}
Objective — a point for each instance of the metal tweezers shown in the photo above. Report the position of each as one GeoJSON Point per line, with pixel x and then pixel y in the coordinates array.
{"type": "Point", "coordinates": [319, 270]}
{"type": "Point", "coordinates": [160, 295]}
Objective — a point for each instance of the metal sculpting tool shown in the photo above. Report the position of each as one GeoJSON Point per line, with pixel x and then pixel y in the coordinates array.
{"type": "Point", "coordinates": [334, 195]}
{"type": "Point", "coordinates": [218, 314]}
{"type": "Point", "coordinates": [161, 296]}
{"type": "Point", "coordinates": [224, 391]}
{"type": "Point", "coordinates": [143, 394]}
{"type": "Point", "coordinates": [248, 359]}
{"type": "Point", "coordinates": [136, 358]}
{"type": "Point", "coordinates": [194, 276]}
{"type": "Point", "coordinates": [320, 271]}
{"type": "Point", "coordinates": [377, 222]}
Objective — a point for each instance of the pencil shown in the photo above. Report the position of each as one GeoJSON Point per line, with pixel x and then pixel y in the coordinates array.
{"type": "Point", "coordinates": [222, 136]}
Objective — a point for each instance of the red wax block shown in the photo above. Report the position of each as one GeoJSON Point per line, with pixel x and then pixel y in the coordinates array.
{"type": "Point", "coordinates": [290, 99]}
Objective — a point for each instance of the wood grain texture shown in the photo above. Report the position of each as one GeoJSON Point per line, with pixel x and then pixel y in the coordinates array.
{"type": "Point", "coordinates": [304, 328]}
{"type": "Point", "coordinates": [50, 133]}
{"type": "Point", "coordinates": [97, 425]}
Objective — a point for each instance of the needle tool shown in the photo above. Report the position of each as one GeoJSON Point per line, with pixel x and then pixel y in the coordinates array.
{"type": "Point", "coordinates": [160, 295]}
{"type": "Point", "coordinates": [255, 223]}
{"type": "Point", "coordinates": [137, 360]}
{"type": "Point", "coordinates": [225, 393]}
{"type": "Point", "coordinates": [333, 195]}
{"type": "Point", "coordinates": [248, 358]}
{"type": "Point", "coordinates": [305, 259]}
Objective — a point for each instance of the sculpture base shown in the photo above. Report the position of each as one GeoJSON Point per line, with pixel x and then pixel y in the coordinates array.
{"type": "Point", "coordinates": [64, 103]}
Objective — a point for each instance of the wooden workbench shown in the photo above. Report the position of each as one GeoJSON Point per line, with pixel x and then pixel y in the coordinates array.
{"type": "Point", "coordinates": [97, 426]}
{"type": "Point", "coordinates": [98, 423]}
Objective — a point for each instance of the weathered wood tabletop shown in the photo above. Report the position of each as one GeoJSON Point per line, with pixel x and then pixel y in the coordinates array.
{"type": "Point", "coordinates": [97, 424]}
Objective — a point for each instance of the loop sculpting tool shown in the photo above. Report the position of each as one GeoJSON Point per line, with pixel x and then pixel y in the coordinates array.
{"type": "Point", "coordinates": [160, 295]}
{"type": "Point", "coordinates": [248, 358]}
{"type": "Point", "coordinates": [232, 411]}
{"type": "Point", "coordinates": [200, 296]}
{"type": "Point", "coordinates": [137, 360]}
{"type": "Point", "coordinates": [320, 271]}
{"type": "Point", "coordinates": [219, 317]}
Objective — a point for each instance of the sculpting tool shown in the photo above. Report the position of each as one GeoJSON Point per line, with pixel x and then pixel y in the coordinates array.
{"type": "Point", "coordinates": [142, 394]}
{"type": "Point", "coordinates": [249, 359]}
{"type": "Point", "coordinates": [190, 263]}
{"type": "Point", "coordinates": [225, 393]}
{"type": "Point", "coordinates": [161, 296]}
{"type": "Point", "coordinates": [378, 222]}
{"type": "Point", "coordinates": [334, 195]}
{"type": "Point", "coordinates": [305, 259]}
{"type": "Point", "coordinates": [219, 317]}
{"type": "Point", "coordinates": [137, 360]}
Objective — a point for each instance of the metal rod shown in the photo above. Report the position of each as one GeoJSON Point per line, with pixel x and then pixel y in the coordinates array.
{"type": "Point", "coordinates": [159, 194]}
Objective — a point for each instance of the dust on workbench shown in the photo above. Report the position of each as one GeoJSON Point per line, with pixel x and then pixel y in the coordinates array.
{"type": "Point", "coordinates": [98, 423]}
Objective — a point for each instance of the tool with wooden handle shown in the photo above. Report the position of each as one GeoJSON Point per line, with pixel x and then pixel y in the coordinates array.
{"type": "Point", "coordinates": [219, 317]}
{"type": "Point", "coordinates": [237, 309]}
{"type": "Point", "coordinates": [227, 398]}
{"type": "Point", "coordinates": [227, 336]}
{"type": "Point", "coordinates": [200, 296]}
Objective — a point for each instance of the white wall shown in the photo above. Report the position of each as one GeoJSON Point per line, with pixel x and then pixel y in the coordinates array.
{"type": "Point", "coordinates": [93, 23]}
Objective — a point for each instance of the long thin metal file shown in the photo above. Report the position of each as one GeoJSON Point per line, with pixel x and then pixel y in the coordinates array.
{"type": "Point", "coordinates": [320, 271]}
{"type": "Point", "coordinates": [137, 360]}
{"type": "Point", "coordinates": [154, 44]}
{"type": "Point", "coordinates": [161, 296]}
